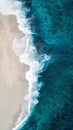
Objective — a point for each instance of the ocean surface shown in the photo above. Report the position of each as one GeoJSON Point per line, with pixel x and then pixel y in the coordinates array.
{"type": "Point", "coordinates": [48, 50]}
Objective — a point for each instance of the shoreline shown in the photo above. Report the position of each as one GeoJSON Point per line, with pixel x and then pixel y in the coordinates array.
{"type": "Point", "coordinates": [12, 73]}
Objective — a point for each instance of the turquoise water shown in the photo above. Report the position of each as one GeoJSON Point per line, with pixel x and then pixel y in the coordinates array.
{"type": "Point", "coordinates": [52, 23]}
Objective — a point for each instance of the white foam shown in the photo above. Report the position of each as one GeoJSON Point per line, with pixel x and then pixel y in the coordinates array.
{"type": "Point", "coordinates": [19, 45]}
{"type": "Point", "coordinates": [9, 7]}
{"type": "Point", "coordinates": [23, 113]}
{"type": "Point", "coordinates": [28, 57]}
{"type": "Point", "coordinates": [27, 53]}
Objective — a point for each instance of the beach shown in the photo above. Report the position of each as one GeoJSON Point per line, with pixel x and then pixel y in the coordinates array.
{"type": "Point", "coordinates": [13, 85]}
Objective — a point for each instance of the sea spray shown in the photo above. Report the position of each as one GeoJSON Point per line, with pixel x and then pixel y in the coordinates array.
{"type": "Point", "coordinates": [27, 53]}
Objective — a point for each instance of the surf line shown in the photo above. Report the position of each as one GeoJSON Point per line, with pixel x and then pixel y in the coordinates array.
{"type": "Point", "coordinates": [27, 52]}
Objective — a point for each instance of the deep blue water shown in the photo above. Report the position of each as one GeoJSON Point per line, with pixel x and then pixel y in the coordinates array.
{"type": "Point", "coordinates": [53, 25]}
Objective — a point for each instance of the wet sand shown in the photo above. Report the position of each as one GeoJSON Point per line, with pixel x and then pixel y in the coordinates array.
{"type": "Point", "coordinates": [13, 85]}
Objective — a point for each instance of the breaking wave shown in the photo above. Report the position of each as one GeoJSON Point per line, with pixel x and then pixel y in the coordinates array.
{"type": "Point", "coordinates": [27, 52]}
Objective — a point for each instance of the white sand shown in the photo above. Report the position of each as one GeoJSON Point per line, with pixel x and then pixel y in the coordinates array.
{"type": "Point", "coordinates": [13, 85]}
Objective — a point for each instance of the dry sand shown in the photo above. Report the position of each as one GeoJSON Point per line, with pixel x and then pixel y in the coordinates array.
{"type": "Point", "coordinates": [13, 85]}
